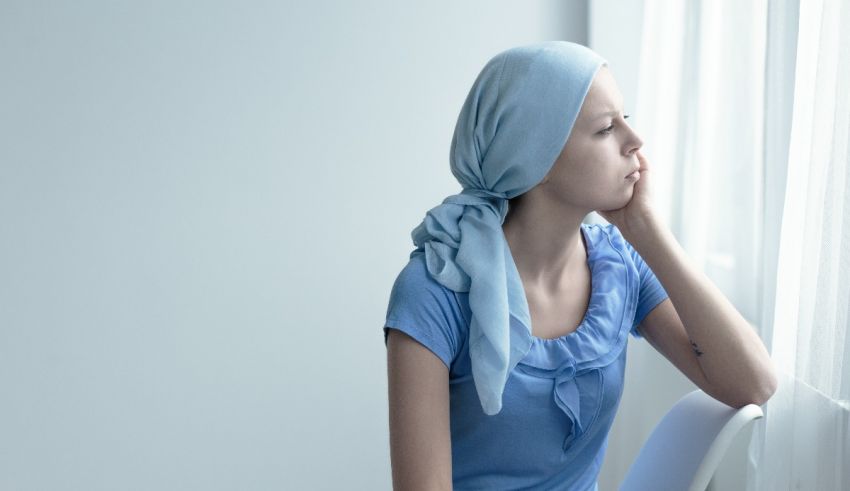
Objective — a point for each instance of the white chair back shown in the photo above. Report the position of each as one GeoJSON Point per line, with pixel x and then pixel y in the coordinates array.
{"type": "Point", "coordinates": [688, 444]}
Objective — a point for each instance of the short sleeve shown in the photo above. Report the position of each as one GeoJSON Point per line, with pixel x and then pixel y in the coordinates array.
{"type": "Point", "coordinates": [425, 310]}
{"type": "Point", "coordinates": [650, 294]}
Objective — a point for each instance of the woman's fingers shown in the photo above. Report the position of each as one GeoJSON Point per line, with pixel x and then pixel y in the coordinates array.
{"type": "Point", "coordinates": [643, 163]}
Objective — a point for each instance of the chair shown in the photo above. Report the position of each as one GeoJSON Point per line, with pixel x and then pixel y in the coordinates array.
{"type": "Point", "coordinates": [687, 445]}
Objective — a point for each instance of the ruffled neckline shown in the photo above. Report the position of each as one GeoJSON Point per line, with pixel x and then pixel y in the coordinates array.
{"type": "Point", "coordinates": [604, 329]}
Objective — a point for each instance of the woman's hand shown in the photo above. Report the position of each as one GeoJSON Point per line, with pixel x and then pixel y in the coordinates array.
{"type": "Point", "coordinates": [638, 212]}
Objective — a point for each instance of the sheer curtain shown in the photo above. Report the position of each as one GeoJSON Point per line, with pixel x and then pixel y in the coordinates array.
{"type": "Point", "coordinates": [804, 440]}
{"type": "Point", "coordinates": [744, 110]}
{"type": "Point", "coordinates": [700, 111]}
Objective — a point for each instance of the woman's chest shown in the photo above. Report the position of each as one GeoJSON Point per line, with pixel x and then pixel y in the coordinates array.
{"type": "Point", "coordinates": [553, 416]}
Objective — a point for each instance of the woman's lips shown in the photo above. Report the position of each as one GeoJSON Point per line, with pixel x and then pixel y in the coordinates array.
{"type": "Point", "coordinates": [634, 175]}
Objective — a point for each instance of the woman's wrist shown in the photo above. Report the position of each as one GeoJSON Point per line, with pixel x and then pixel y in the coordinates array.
{"type": "Point", "coordinates": [639, 229]}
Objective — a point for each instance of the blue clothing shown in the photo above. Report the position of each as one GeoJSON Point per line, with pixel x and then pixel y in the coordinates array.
{"type": "Point", "coordinates": [561, 398]}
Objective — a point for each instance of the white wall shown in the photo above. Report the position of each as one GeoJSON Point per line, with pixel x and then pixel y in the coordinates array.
{"type": "Point", "coordinates": [203, 208]}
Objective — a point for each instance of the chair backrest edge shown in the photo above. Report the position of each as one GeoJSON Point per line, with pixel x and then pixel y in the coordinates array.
{"type": "Point", "coordinates": [721, 443]}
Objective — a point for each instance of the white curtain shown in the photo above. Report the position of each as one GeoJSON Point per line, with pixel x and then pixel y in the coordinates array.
{"type": "Point", "coordinates": [744, 110]}
{"type": "Point", "coordinates": [804, 440]}
{"type": "Point", "coordinates": [700, 111]}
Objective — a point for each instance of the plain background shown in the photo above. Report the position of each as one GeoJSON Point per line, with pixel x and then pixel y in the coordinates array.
{"type": "Point", "coordinates": [203, 208]}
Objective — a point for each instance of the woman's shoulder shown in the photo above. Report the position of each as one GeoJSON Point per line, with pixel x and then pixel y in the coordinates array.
{"type": "Point", "coordinates": [609, 243]}
{"type": "Point", "coordinates": [415, 275]}
{"type": "Point", "coordinates": [426, 310]}
{"type": "Point", "coordinates": [415, 284]}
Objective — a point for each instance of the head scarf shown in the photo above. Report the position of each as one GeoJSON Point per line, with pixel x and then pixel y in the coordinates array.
{"type": "Point", "coordinates": [511, 129]}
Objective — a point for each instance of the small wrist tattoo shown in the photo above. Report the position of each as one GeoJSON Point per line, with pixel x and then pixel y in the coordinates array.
{"type": "Point", "coordinates": [696, 349]}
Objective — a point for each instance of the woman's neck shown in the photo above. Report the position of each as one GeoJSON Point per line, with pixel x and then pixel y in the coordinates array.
{"type": "Point", "coordinates": [546, 243]}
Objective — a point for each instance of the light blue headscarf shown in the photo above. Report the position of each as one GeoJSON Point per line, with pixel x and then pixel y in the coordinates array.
{"type": "Point", "coordinates": [511, 129]}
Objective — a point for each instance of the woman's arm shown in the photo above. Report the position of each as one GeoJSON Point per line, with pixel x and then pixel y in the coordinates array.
{"type": "Point", "coordinates": [420, 440]}
{"type": "Point", "coordinates": [730, 353]}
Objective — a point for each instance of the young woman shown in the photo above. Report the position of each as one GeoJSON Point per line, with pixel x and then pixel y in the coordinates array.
{"type": "Point", "coordinates": [506, 331]}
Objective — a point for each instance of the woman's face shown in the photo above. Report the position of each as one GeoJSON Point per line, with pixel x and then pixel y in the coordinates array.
{"type": "Point", "coordinates": [591, 170]}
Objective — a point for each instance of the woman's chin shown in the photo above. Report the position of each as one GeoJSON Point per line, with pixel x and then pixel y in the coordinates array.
{"type": "Point", "coordinates": [621, 203]}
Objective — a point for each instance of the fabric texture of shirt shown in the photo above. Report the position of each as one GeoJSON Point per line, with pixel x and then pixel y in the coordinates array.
{"type": "Point", "coordinates": [561, 399]}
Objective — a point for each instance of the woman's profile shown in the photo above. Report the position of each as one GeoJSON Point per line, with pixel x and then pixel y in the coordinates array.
{"type": "Point", "coordinates": [506, 330]}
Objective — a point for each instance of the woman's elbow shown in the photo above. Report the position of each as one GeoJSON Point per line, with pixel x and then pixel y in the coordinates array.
{"type": "Point", "coordinates": [768, 388]}
{"type": "Point", "coordinates": [760, 396]}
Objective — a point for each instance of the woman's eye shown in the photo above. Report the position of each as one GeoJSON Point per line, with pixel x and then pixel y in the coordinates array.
{"type": "Point", "coordinates": [610, 128]}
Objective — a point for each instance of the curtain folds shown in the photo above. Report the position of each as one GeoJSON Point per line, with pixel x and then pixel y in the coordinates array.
{"type": "Point", "coordinates": [745, 111]}
{"type": "Point", "coordinates": [804, 440]}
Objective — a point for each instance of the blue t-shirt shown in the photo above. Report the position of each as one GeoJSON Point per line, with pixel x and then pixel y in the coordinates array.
{"type": "Point", "coordinates": [559, 402]}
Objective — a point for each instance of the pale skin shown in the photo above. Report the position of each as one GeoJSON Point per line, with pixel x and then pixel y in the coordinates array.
{"type": "Point", "coordinates": [697, 329]}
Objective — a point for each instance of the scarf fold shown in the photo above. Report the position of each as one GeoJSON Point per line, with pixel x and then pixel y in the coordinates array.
{"type": "Point", "coordinates": [513, 125]}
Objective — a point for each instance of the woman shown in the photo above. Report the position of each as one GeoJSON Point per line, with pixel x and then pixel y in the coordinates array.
{"type": "Point", "coordinates": [510, 321]}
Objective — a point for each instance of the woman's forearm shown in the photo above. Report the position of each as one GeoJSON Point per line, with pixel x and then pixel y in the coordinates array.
{"type": "Point", "coordinates": [731, 354]}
